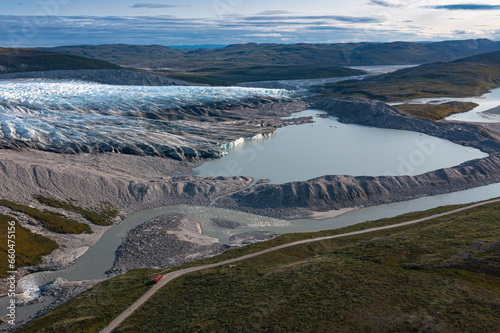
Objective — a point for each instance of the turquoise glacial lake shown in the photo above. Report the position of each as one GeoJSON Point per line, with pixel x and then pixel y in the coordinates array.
{"type": "Point", "coordinates": [328, 147]}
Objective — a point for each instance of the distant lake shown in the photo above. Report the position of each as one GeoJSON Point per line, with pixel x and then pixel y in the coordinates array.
{"type": "Point", "coordinates": [327, 147]}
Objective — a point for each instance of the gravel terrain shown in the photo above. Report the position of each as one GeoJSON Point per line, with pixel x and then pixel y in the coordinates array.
{"type": "Point", "coordinates": [163, 242]}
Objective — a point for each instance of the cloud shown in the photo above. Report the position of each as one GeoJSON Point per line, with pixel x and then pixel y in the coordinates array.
{"type": "Point", "coordinates": [467, 7]}
{"type": "Point", "coordinates": [29, 31]}
{"type": "Point", "coordinates": [384, 4]}
{"type": "Point", "coordinates": [311, 19]}
{"type": "Point", "coordinates": [172, 30]}
{"type": "Point", "coordinates": [156, 5]}
{"type": "Point", "coordinates": [266, 35]}
{"type": "Point", "coordinates": [327, 28]}
{"type": "Point", "coordinates": [275, 12]}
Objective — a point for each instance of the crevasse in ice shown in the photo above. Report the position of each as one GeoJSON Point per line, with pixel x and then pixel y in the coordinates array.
{"type": "Point", "coordinates": [59, 112]}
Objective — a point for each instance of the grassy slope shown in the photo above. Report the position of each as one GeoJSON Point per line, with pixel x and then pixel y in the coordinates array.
{"type": "Point", "coordinates": [103, 216]}
{"type": "Point", "coordinates": [467, 77]}
{"type": "Point", "coordinates": [25, 60]}
{"type": "Point", "coordinates": [30, 247]}
{"type": "Point", "coordinates": [50, 220]}
{"type": "Point", "coordinates": [439, 275]}
{"type": "Point", "coordinates": [120, 54]}
{"type": "Point", "coordinates": [221, 76]}
{"type": "Point", "coordinates": [436, 112]}
{"type": "Point", "coordinates": [90, 311]}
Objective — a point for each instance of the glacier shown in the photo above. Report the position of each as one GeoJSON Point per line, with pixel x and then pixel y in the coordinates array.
{"type": "Point", "coordinates": [240, 141]}
{"type": "Point", "coordinates": [76, 116]}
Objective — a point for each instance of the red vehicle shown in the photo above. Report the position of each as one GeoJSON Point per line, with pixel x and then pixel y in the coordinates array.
{"type": "Point", "coordinates": [158, 279]}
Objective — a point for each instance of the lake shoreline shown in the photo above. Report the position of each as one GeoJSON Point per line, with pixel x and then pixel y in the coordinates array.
{"type": "Point", "coordinates": [338, 192]}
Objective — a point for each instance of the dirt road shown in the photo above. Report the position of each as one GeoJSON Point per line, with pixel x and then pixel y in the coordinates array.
{"type": "Point", "coordinates": [171, 276]}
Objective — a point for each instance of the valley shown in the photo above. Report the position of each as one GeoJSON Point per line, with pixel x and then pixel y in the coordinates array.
{"type": "Point", "coordinates": [90, 134]}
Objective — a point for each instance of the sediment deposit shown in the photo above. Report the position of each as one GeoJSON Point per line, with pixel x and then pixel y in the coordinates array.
{"type": "Point", "coordinates": [128, 182]}
{"type": "Point", "coordinates": [163, 242]}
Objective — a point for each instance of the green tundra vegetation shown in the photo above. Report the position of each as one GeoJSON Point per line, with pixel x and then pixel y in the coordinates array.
{"type": "Point", "coordinates": [473, 76]}
{"type": "Point", "coordinates": [102, 216]}
{"type": "Point", "coordinates": [109, 299]}
{"type": "Point", "coordinates": [436, 111]}
{"type": "Point", "coordinates": [27, 60]}
{"type": "Point", "coordinates": [29, 246]}
{"type": "Point", "coordinates": [50, 220]}
{"type": "Point", "coordinates": [269, 54]}
{"type": "Point", "coordinates": [232, 76]}
{"type": "Point", "coordinates": [261, 62]}
{"type": "Point", "coordinates": [438, 275]}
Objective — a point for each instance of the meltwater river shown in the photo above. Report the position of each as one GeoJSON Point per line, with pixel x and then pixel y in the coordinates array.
{"type": "Point", "coordinates": [99, 258]}
{"type": "Point", "coordinates": [325, 147]}
{"type": "Point", "coordinates": [299, 152]}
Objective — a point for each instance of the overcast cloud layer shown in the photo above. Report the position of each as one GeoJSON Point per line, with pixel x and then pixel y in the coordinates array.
{"type": "Point", "coordinates": [65, 22]}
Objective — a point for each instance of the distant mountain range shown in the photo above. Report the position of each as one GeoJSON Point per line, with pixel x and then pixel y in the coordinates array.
{"type": "Point", "coordinates": [247, 55]}
{"type": "Point", "coordinates": [27, 60]}
{"type": "Point", "coordinates": [258, 62]}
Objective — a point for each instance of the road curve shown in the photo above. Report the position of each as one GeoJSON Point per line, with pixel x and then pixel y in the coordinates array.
{"type": "Point", "coordinates": [173, 275]}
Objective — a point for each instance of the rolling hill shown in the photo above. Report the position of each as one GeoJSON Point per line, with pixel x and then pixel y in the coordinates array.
{"type": "Point", "coordinates": [232, 76]}
{"type": "Point", "coordinates": [262, 62]}
{"type": "Point", "coordinates": [28, 63]}
{"type": "Point", "coordinates": [27, 60]}
{"type": "Point", "coordinates": [472, 76]}
{"type": "Point", "coordinates": [121, 54]}
{"type": "Point", "coordinates": [247, 55]}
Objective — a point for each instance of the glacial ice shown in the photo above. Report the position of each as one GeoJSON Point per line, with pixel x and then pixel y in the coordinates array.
{"type": "Point", "coordinates": [240, 141]}
{"type": "Point", "coordinates": [29, 289]}
{"type": "Point", "coordinates": [61, 112]}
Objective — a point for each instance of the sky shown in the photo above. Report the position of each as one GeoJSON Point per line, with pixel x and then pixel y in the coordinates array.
{"type": "Point", "coordinates": [28, 23]}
